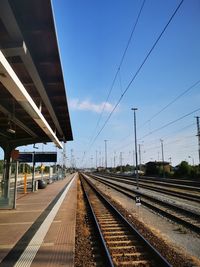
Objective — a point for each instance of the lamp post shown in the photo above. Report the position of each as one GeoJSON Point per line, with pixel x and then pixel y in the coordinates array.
{"type": "Point", "coordinates": [140, 155]}
{"type": "Point", "coordinates": [136, 156]}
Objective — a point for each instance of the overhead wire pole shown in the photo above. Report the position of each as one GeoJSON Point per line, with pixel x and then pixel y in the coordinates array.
{"type": "Point", "coordinates": [96, 159]}
{"type": "Point", "coordinates": [140, 160]}
{"type": "Point", "coordinates": [120, 161]}
{"type": "Point", "coordinates": [162, 157]}
{"type": "Point", "coordinates": [105, 154]}
{"type": "Point", "coordinates": [136, 156]}
{"type": "Point", "coordinates": [198, 134]}
{"type": "Point", "coordinates": [114, 159]}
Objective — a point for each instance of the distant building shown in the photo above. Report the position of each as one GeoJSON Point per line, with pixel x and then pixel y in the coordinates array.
{"type": "Point", "coordinates": [100, 169]}
{"type": "Point", "coordinates": [156, 167]}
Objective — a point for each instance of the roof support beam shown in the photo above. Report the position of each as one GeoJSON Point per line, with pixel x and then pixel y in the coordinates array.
{"type": "Point", "coordinates": [12, 83]}
{"type": "Point", "coordinates": [24, 53]}
{"type": "Point", "coordinates": [12, 118]}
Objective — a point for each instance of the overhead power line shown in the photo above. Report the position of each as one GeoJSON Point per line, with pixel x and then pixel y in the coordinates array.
{"type": "Point", "coordinates": [172, 102]}
{"type": "Point", "coordinates": [139, 69]}
{"type": "Point", "coordinates": [120, 64]}
{"type": "Point", "coordinates": [119, 148]}
{"type": "Point", "coordinates": [172, 122]}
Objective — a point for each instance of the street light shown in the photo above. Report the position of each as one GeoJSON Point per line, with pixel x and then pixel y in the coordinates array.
{"type": "Point", "coordinates": [136, 157]}
{"type": "Point", "coordinates": [140, 156]}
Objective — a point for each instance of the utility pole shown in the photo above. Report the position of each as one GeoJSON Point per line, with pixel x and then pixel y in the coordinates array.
{"type": "Point", "coordinates": [198, 134]}
{"type": "Point", "coordinates": [136, 156]}
{"type": "Point", "coordinates": [140, 161]}
{"type": "Point", "coordinates": [105, 153]}
{"type": "Point", "coordinates": [96, 159]}
{"type": "Point", "coordinates": [100, 159]}
{"type": "Point", "coordinates": [192, 159]}
{"type": "Point", "coordinates": [120, 161]}
{"type": "Point", "coordinates": [114, 159]}
{"type": "Point", "coordinates": [162, 157]}
{"type": "Point", "coordinates": [91, 162]}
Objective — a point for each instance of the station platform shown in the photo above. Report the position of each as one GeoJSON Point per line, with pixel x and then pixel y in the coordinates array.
{"type": "Point", "coordinates": [41, 230]}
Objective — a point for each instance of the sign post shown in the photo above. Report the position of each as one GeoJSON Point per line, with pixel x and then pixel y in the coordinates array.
{"type": "Point", "coordinates": [33, 174]}
{"type": "Point", "coordinates": [138, 204]}
{"type": "Point", "coordinates": [137, 201]}
{"type": "Point", "coordinates": [36, 157]}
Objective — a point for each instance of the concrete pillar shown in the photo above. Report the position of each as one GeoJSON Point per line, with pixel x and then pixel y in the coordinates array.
{"type": "Point", "coordinates": [7, 171]}
{"type": "Point", "coordinates": [6, 198]}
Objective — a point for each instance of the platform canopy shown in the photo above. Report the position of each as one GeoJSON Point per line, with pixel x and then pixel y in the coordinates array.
{"type": "Point", "coordinates": [33, 103]}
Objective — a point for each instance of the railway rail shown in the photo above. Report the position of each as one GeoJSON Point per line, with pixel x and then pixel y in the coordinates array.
{"type": "Point", "coordinates": [175, 213]}
{"type": "Point", "coordinates": [123, 244]}
{"type": "Point", "coordinates": [158, 186]}
{"type": "Point", "coordinates": [169, 182]}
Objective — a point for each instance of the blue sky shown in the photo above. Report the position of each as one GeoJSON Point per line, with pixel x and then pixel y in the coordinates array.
{"type": "Point", "coordinates": [92, 36]}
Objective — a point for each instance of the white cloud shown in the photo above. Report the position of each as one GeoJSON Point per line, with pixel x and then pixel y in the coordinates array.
{"type": "Point", "coordinates": [86, 105]}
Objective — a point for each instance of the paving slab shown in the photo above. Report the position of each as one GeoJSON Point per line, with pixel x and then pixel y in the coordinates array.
{"type": "Point", "coordinates": [20, 225]}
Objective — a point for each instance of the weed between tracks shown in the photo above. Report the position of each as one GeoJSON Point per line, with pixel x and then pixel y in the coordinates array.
{"type": "Point", "coordinates": [83, 248]}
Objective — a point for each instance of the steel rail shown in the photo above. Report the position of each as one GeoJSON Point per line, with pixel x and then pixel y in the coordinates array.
{"type": "Point", "coordinates": [170, 182]}
{"type": "Point", "coordinates": [190, 215]}
{"type": "Point", "coordinates": [157, 257]}
{"type": "Point", "coordinates": [107, 258]}
{"type": "Point", "coordinates": [185, 195]}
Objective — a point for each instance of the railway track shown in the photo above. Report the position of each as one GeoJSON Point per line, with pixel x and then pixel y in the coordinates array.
{"type": "Point", "coordinates": [170, 182]}
{"type": "Point", "coordinates": [158, 187]}
{"type": "Point", "coordinates": [177, 214]}
{"type": "Point", "coordinates": [123, 244]}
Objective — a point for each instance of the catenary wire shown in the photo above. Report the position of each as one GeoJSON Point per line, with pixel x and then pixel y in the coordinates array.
{"type": "Point", "coordinates": [138, 70]}
{"type": "Point", "coordinates": [155, 140]}
{"type": "Point", "coordinates": [170, 103]}
{"type": "Point", "coordinates": [120, 64]}
{"type": "Point", "coordinates": [118, 71]}
{"type": "Point", "coordinates": [171, 122]}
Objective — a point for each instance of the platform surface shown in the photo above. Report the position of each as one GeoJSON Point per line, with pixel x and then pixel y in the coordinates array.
{"type": "Point", "coordinates": [42, 227]}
